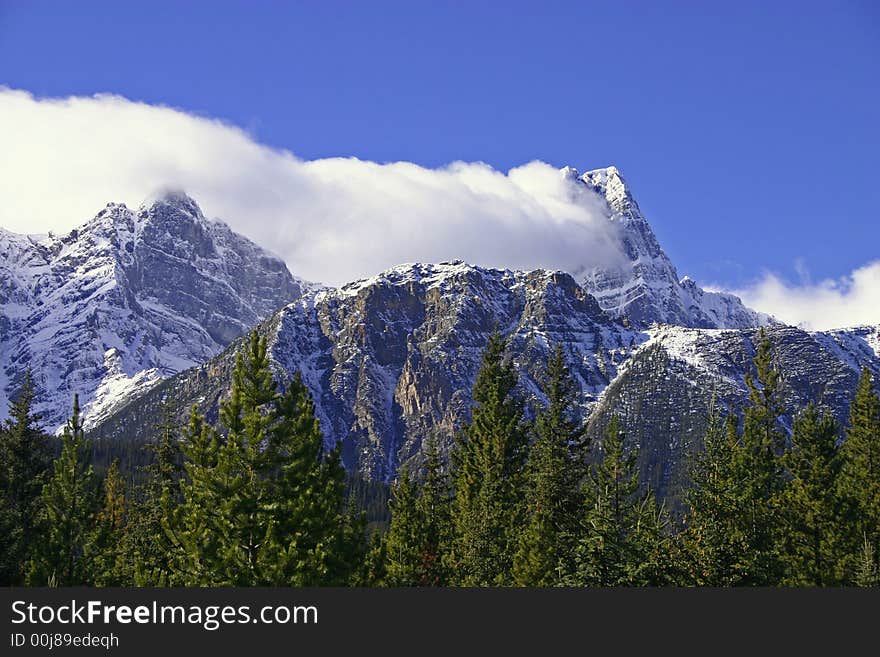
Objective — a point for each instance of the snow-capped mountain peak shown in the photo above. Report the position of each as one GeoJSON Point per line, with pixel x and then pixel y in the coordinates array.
{"type": "Point", "coordinates": [126, 299]}
{"type": "Point", "coordinates": [647, 288]}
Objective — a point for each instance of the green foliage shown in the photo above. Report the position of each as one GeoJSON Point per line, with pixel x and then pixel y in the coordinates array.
{"type": "Point", "coordinates": [868, 572]}
{"type": "Point", "coordinates": [759, 472]}
{"type": "Point", "coordinates": [860, 470]}
{"type": "Point", "coordinates": [418, 538]}
{"type": "Point", "coordinates": [110, 565]}
{"type": "Point", "coordinates": [814, 534]}
{"type": "Point", "coordinates": [487, 472]}
{"type": "Point", "coordinates": [623, 538]}
{"type": "Point", "coordinates": [68, 545]}
{"type": "Point", "coordinates": [403, 543]}
{"type": "Point", "coordinates": [25, 463]}
{"type": "Point", "coordinates": [261, 504]}
{"type": "Point", "coordinates": [433, 507]}
{"type": "Point", "coordinates": [553, 473]}
{"type": "Point", "coordinates": [372, 570]}
{"type": "Point", "coordinates": [711, 537]}
{"type": "Point", "coordinates": [146, 547]}
{"type": "Point", "coordinates": [734, 526]}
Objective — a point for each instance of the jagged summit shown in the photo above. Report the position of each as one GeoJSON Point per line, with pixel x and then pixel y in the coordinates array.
{"type": "Point", "coordinates": [133, 296]}
{"type": "Point", "coordinates": [138, 308]}
{"type": "Point", "coordinates": [647, 288]}
{"type": "Point", "coordinates": [126, 299]}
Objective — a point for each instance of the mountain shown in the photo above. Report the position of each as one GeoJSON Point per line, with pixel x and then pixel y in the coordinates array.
{"type": "Point", "coordinates": [126, 299]}
{"type": "Point", "coordinates": [664, 391]}
{"type": "Point", "coordinates": [647, 288]}
{"type": "Point", "coordinates": [141, 311]}
{"type": "Point", "coordinates": [391, 360]}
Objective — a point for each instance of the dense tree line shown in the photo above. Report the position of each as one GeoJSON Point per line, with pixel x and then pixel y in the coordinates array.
{"type": "Point", "coordinates": [256, 499]}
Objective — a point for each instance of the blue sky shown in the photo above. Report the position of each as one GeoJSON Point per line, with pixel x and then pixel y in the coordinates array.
{"type": "Point", "coordinates": [748, 131]}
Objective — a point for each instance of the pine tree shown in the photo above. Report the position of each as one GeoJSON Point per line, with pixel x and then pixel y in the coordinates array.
{"type": "Point", "coordinates": [656, 550]}
{"type": "Point", "coordinates": [70, 505]}
{"type": "Point", "coordinates": [488, 464]}
{"type": "Point", "coordinates": [262, 504]}
{"type": "Point", "coordinates": [734, 525]}
{"type": "Point", "coordinates": [318, 540]}
{"type": "Point", "coordinates": [860, 472]}
{"type": "Point", "coordinates": [418, 536]}
{"type": "Point", "coordinates": [868, 572]}
{"type": "Point", "coordinates": [812, 511]}
{"type": "Point", "coordinates": [552, 484]}
{"type": "Point", "coordinates": [619, 527]}
{"type": "Point", "coordinates": [759, 469]}
{"type": "Point", "coordinates": [189, 523]}
{"type": "Point", "coordinates": [25, 463]}
{"type": "Point", "coordinates": [403, 541]}
{"type": "Point", "coordinates": [711, 539]}
{"type": "Point", "coordinates": [372, 571]}
{"type": "Point", "coordinates": [146, 548]}
{"type": "Point", "coordinates": [110, 567]}
{"type": "Point", "coordinates": [433, 509]}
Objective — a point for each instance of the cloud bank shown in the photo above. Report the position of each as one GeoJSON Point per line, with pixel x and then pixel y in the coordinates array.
{"type": "Point", "coordinates": [332, 220]}
{"type": "Point", "coordinates": [852, 300]}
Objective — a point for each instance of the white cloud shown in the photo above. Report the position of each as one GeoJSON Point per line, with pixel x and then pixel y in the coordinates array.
{"type": "Point", "coordinates": [332, 220]}
{"type": "Point", "coordinates": [834, 303]}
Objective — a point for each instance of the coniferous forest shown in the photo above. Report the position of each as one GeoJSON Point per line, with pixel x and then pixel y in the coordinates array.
{"type": "Point", "coordinates": [256, 501]}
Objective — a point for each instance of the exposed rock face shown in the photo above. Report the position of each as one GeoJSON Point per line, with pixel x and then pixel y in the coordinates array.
{"type": "Point", "coordinates": [125, 300]}
{"type": "Point", "coordinates": [401, 351]}
{"type": "Point", "coordinates": [664, 391]}
{"type": "Point", "coordinates": [392, 360]}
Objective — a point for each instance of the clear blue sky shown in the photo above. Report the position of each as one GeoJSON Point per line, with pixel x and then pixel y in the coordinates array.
{"type": "Point", "coordinates": [748, 131]}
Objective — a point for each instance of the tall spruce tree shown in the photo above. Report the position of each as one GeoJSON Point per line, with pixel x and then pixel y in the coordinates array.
{"type": "Point", "coordinates": [860, 471]}
{"type": "Point", "coordinates": [734, 525]}
{"type": "Point", "coordinates": [488, 465]}
{"type": "Point", "coordinates": [25, 463]}
{"type": "Point", "coordinates": [110, 566]}
{"type": "Point", "coordinates": [814, 529]}
{"type": "Point", "coordinates": [405, 531]}
{"type": "Point", "coordinates": [760, 471]}
{"type": "Point", "coordinates": [262, 504]}
{"type": "Point", "coordinates": [318, 536]}
{"type": "Point", "coordinates": [623, 540]}
{"type": "Point", "coordinates": [146, 547]}
{"type": "Point", "coordinates": [70, 505]}
{"type": "Point", "coordinates": [418, 536]}
{"type": "Point", "coordinates": [189, 522]}
{"type": "Point", "coordinates": [553, 475]}
{"type": "Point", "coordinates": [433, 507]}
{"type": "Point", "coordinates": [711, 539]}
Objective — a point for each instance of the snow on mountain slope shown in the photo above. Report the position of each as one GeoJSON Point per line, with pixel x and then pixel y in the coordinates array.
{"type": "Point", "coordinates": [663, 392]}
{"type": "Point", "coordinates": [125, 300]}
{"type": "Point", "coordinates": [648, 288]}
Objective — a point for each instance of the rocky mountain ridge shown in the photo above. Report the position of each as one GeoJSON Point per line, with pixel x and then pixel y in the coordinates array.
{"type": "Point", "coordinates": [125, 300]}
{"type": "Point", "coordinates": [142, 311]}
